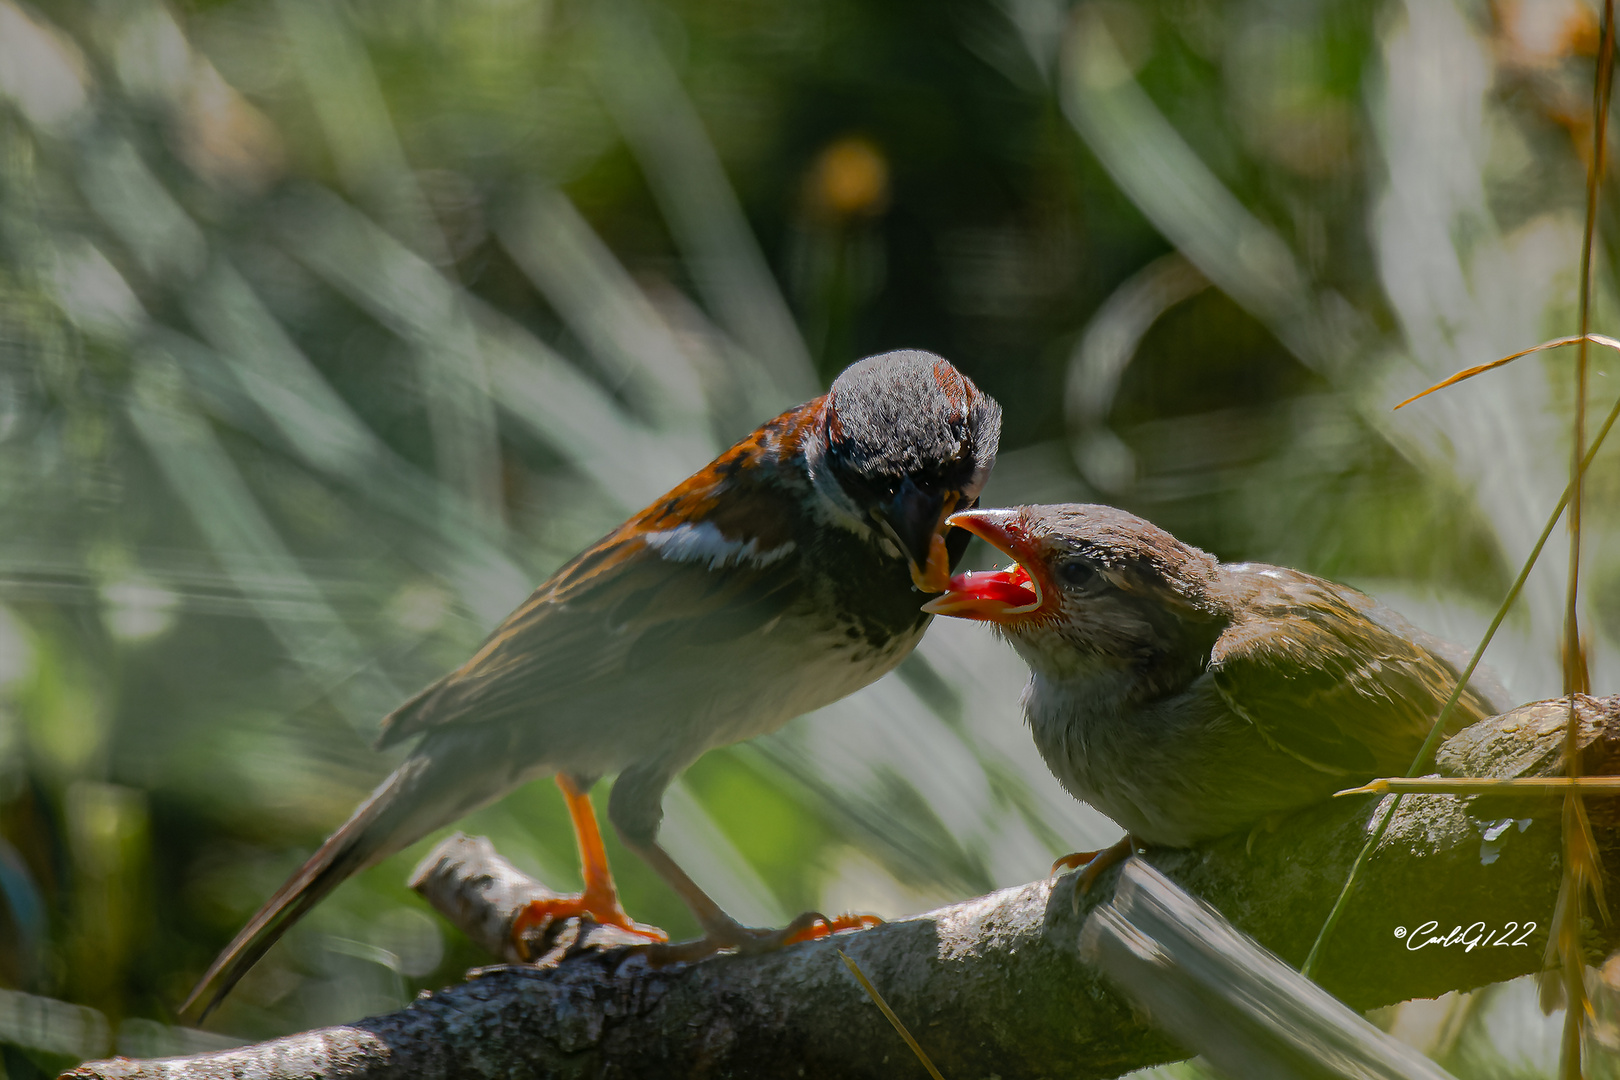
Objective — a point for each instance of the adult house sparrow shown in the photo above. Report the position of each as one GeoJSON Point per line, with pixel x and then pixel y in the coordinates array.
{"type": "Point", "coordinates": [780, 578]}
{"type": "Point", "coordinates": [1187, 698]}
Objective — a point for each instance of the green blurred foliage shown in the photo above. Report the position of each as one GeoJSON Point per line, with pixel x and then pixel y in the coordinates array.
{"type": "Point", "coordinates": [328, 329]}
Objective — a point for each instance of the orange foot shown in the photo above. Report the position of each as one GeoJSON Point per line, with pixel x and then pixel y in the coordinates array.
{"type": "Point", "coordinates": [600, 898]}
{"type": "Point", "coordinates": [1095, 862]}
{"type": "Point", "coordinates": [750, 940]}
{"type": "Point", "coordinates": [603, 909]}
{"type": "Point", "coordinates": [1073, 861]}
{"type": "Point", "coordinates": [821, 926]}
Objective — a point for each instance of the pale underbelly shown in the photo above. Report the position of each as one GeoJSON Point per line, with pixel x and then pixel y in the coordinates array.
{"type": "Point", "coordinates": [1179, 785]}
{"type": "Point", "coordinates": [741, 692]}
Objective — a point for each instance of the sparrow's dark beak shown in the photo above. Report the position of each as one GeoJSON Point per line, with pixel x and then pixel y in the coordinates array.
{"type": "Point", "coordinates": [914, 519]}
{"type": "Point", "coordinates": [994, 595]}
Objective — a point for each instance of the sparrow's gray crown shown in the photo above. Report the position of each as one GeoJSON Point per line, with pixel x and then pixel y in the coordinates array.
{"type": "Point", "coordinates": [905, 439]}
{"type": "Point", "coordinates": [910, 414]}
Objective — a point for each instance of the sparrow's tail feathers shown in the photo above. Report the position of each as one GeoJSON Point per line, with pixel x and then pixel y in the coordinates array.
{"type": "Point", "coordinates": [368, 836]}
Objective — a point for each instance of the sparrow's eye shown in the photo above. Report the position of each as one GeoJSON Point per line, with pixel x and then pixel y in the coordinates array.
{"type": "Point", "coordinates": [1077, 573]}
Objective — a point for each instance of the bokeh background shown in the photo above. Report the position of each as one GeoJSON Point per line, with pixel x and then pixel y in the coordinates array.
{"type": "Point", "coordinates": [328, 329]}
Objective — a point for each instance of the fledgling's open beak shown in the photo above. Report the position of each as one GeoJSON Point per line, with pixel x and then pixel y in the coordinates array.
{"type": "Point", "coordinates": [994, 595]}
{"type": "Point", "coordinates": [915, 520]}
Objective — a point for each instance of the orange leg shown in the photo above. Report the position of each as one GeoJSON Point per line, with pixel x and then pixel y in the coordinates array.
{"type": "Point", "coordinates": [721, 931]}
{"type": "Point", "coordinates": [825, 925]}
{"type": "Point", "coordinates": [1095, 862]}
{"type": "Point", "coordinates": [600, 898]}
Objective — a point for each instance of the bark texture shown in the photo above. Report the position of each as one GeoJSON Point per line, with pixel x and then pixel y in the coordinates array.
{"type": "Point", "coordinates": [992, 986]}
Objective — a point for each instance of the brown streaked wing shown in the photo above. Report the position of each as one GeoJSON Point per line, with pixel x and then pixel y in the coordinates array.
{"type": "Point", "coordinates": [588, 621]}
{"type": "Point", "coordinates": [609, 612]}
{"type": "Point", "coordinates": [1330, 686]}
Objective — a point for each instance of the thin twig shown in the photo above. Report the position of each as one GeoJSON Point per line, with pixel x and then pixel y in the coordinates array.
{"type": "Point", "coordinates": [1487, 785]}
{"type": "Point", "coordinates": [1420, 763]}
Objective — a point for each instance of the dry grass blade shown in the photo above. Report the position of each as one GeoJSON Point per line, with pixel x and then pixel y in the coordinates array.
{"type": "Point", "coordinates": [1564, 955]}
{"type": "Point", "coordinates": [1427, 751]}
{"type": "Point", "coordinates": [1469, 785]}
{"type": "Point", "coordinates": [1479, 369]}
{"type": "Point", "coordinates": [1582, 870]}
{"type": "Point", "coordinates": [1582, 874]}
{"type": "Point", "coordinates": [883, 1007]}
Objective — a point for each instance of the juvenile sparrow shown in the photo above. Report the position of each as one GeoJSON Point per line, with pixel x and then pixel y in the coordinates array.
{"type": "Point", "coordinates": [781, 577]}
{"type": "Point", "coordinates": [1187, 698]}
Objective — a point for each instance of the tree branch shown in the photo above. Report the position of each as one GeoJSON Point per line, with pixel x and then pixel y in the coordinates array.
{"type": "Point", "coordinates": [993, 985]}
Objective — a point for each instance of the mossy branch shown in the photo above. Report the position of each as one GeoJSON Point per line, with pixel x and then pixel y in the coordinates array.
{"type": "Point", "coordinates": [992, 985]}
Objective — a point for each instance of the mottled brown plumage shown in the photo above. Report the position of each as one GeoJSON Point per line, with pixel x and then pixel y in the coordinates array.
{"type": "Point", "coordinates": [776, 580]}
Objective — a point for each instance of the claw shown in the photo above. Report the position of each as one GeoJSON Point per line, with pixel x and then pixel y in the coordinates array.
{"type": "Point", "coordinates": [1268, 824]}
{"type": "Point", "coordinates": [822, 926]}
{"type": "Point", "coordinates": [603, 910]}
{"type": "Point", "coordinates": [749, 941]}
{"type": "Point", "coordinates": [1094, 863]}
{"type": "Point", "coordinates": [600, 897]}
{"type": "Point", "coordinates": [1073, 861]}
